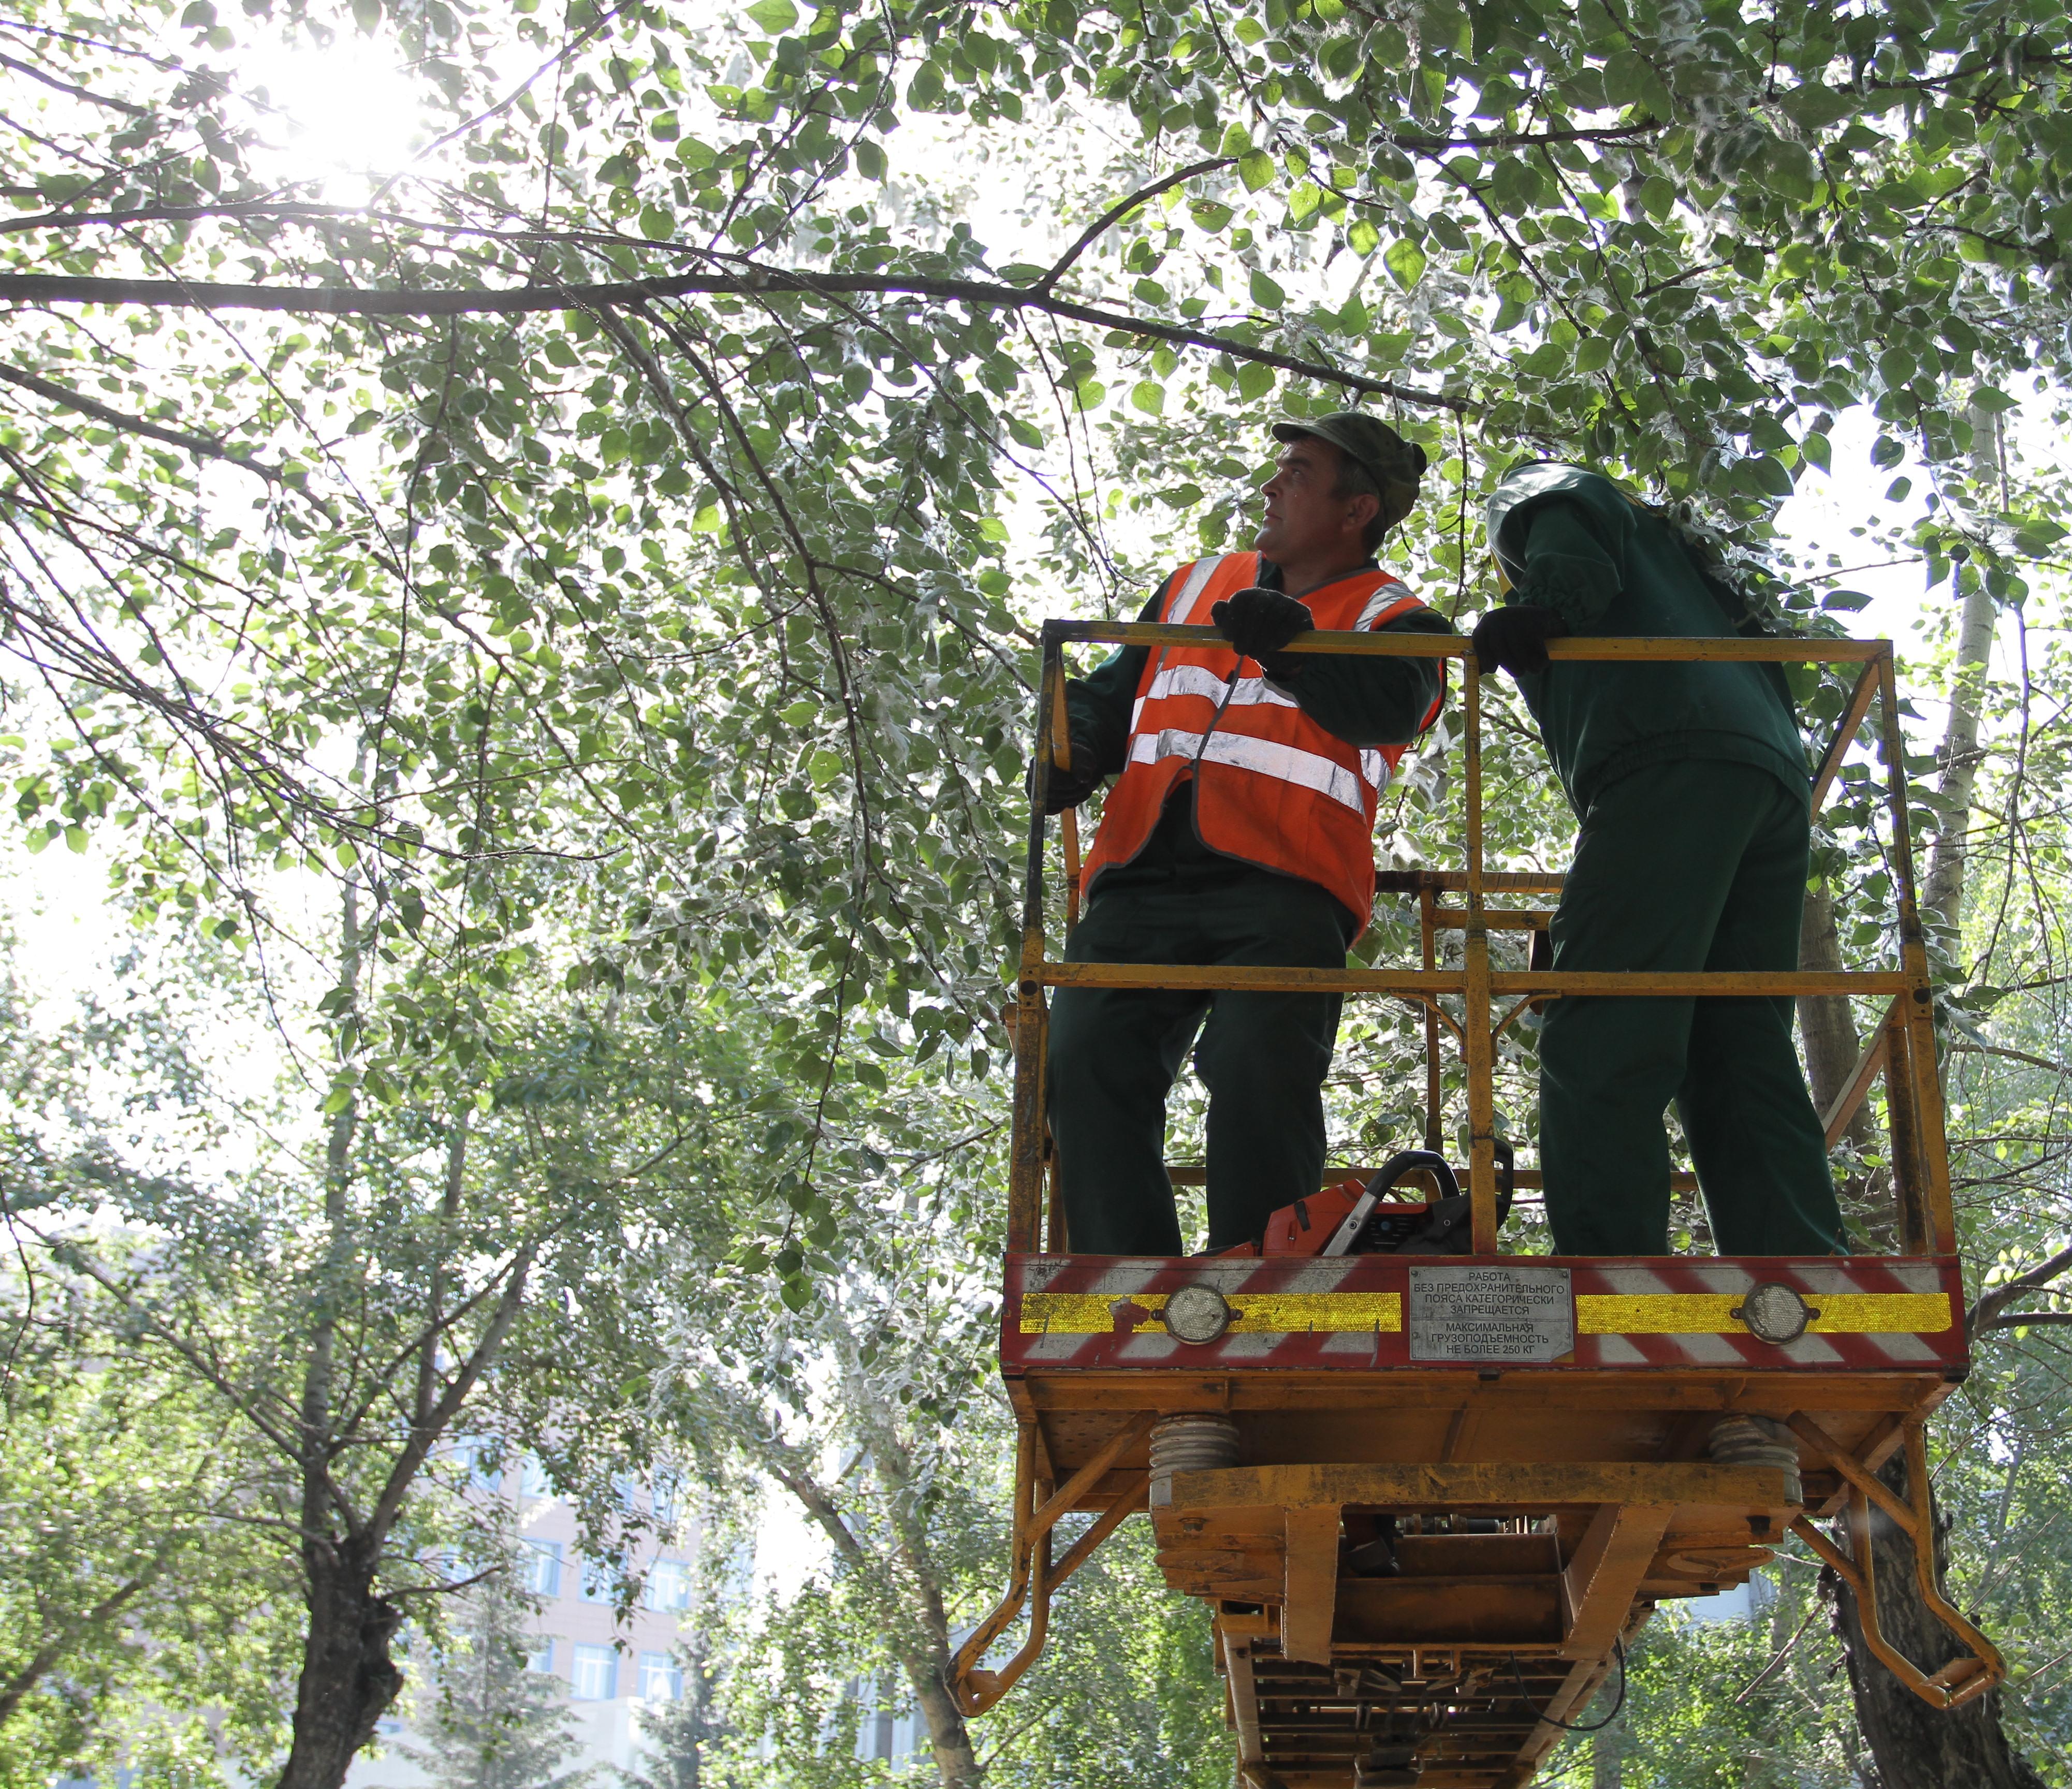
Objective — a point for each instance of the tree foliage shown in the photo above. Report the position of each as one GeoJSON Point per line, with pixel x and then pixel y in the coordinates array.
{"type": "Point", "coordinates": [548, 627]}
{"type": "Point", "coordinates": [492, 1722]}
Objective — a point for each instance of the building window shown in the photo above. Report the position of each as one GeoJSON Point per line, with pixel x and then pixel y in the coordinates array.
{"type": "Point", "coordinates": [662, 1501]}
{"type": "Point", "coordinates": [661, 1677]}
{"type": "Point", "coordinates": [668, 1584]}
{"type": "Point", "coordinates": [541, 1657]}
{"type": "Point", "coordinates": [597, 1580]}
{"type": "Point", "coordinates": [542, 1565]}
{"type": "Point", "coordinates": [532, 1479]}
{"type": "Point", "coordinates": [484, 1460]}
{"type": "Point", "coordinates": [595, 1677]}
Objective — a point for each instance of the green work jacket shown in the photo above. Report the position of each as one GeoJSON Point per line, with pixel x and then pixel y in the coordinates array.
{"type": "Point", "coordinates": [1569, 539]}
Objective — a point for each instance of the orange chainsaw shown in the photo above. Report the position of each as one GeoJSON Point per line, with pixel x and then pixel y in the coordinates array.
{"type": "Point", "coordinates": [1357, 1217]}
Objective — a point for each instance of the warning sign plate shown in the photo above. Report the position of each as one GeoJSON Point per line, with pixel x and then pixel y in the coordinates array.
{"type": "Point", "coordinates": [1477, 1313]}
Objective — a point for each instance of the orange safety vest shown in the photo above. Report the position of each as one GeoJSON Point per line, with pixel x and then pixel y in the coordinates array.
{"type": "Point", "coordinates": [1273, 788]}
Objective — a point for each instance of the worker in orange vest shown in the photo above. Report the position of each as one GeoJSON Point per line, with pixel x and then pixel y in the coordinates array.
{"type": "Point", "coordinates": [1240, 832]}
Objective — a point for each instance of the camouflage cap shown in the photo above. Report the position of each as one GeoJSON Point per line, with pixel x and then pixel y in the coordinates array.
{"type": "Point", "coordinates": [1393, 463]}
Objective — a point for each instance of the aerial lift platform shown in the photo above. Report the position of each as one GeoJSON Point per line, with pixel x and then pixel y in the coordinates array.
{"type": "Point", "coordinates": [1430, 1497]}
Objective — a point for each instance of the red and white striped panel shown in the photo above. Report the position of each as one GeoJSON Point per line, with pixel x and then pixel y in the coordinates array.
{"type": "Point", "coordinates": [1067, 1313]}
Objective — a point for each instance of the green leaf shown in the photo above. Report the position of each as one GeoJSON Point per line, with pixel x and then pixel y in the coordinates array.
{"type": "Point", "coordinates": [1447, 232]}
{"type": "Point", "coordinates": [924, 91]}
{"type": "Point", "coordinates": [1768, 473]}
{"type": "Point", "coordinates": [1256, 169]}
{"type": "Point", "coordinates": [1265, 294]}
{"type": "Point", "coordinates": [1255, 381]}
{"type": "Point", "coordinates": [1148, 395]}
{"type": "Point", "coordinates": [1405, 262]}
{"type": "Point", "coordinates": [774, 17]}
{"type": "Point", "coordinates": [1992, 398]}
{"type": "Point", "coordinates": [1362, 237]}
{"type": "Point", "coordinates": [1210, 216]}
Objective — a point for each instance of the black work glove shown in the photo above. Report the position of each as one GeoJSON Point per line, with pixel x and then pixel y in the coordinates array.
{"type": "Point", "coordinates": [1516, 639]}
{"type": "Point", "coordinates": [1258, 622]}
{"type": "Point", "coordinates": [1069, 788]}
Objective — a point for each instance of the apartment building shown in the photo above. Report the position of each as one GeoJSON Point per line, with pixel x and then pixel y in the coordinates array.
{"type": "Point", "coordinates": [609, 1669]}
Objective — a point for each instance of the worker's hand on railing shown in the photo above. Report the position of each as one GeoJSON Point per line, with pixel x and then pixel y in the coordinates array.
{"type": "Point", "coordinates": [1070, 787]}
{"type": "Point", "coordinates": [1516, 639]}
{"type": "Point", "coordinates": [1259, 622]}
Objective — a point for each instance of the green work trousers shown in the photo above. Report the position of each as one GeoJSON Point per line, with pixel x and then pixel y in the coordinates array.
{"type": "Point", "coordinates": [1698, 863]}
{"type": "Point", "coordinates": [1115, 1053]}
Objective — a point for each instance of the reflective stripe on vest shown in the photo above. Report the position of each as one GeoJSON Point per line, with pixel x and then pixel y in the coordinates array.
{"type": "Point", "coordinates": [1199, 680]}
{"type": "Point", "coordinates": [1288, 763]}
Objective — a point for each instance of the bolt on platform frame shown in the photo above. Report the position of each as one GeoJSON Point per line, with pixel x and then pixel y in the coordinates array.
{"type": "Point", "coordinates": [1542, 1491]}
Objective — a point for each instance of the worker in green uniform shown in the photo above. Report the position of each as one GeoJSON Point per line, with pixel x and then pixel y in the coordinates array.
{"type": "Point", "coordinates": [1690, 783]}
{"type": "Point", "coordinates": [1240, 832]}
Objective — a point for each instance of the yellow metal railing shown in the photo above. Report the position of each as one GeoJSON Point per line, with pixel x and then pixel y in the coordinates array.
{"type": "Point", "coordinates": [1901, 1046]}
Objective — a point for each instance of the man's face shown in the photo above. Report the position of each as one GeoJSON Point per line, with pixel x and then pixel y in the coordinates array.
{"type": "Point", "coordinates": [1304, 521]}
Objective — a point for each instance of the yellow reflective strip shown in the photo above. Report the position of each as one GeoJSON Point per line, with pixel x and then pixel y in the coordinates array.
{"type": "Point", "coordinates": [1712, 1313]}
{"type": "Point", "coordinates": [1882, 1313]}
{"type": "Point", "coordinates": [1079, 1313]}
{"type": "Point", "coordinates": [1251, 1313]}
{"type": "Point", "coordinates": [1338, 1312]}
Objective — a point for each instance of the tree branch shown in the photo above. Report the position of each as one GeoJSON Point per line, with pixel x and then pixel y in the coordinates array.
{"type": "Point", "coordinates": [424, 1432]}
{"type": "Point", "coordinates": [754, 281]}
{"type": "Point", "coordinates": [2011, 1056]}
{"type": "Point", "coordinates": [203, 445]}
{"type": "Point", "coordinates": [1121, 209]}
{"type": "Point", "coordinates": [35, 73]}
{"type": "Point", "coordinates": [1991, 1304]}
{"type": "Point", "coordinates": [1521, 139]}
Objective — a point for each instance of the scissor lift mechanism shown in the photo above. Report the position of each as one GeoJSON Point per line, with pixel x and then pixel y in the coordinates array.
{"type": "Point", "coordinates": [1542, 1507]}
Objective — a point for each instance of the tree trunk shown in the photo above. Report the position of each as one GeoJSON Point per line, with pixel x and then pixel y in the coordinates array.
{"type": "Point", "coordinates": [1832, 1045]}
{"type": "Point", "coordinates": [1913, 1746]}
{"type": "Point", "coordinates": [348, 1681]}
{"type": "Point", "coordinates": [1608, 1753]}
{"type": "Point", "coordinates": [1825, 1021]}
{"type": "Point", "coordinates": [949, 1738]}
{"type": "Point", "coordinates": [1943, 891]}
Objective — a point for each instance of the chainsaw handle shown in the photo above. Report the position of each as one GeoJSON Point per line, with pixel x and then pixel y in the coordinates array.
{"type": "Point", "coordinates": [1403, 1161]}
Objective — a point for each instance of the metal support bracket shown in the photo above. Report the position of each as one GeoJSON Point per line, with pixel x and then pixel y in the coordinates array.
{"type": "Point", "coordinates": [1033, 1577]}
{"type": "Point", "coordinates": [1963, 1679]}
